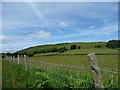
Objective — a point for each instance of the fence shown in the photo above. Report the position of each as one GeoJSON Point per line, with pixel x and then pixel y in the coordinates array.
{"type": "Point", "coordinates": [60, 70]}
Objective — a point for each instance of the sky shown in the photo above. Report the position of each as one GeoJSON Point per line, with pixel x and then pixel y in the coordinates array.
{"type": "Point", "coordinates": [26, 24]}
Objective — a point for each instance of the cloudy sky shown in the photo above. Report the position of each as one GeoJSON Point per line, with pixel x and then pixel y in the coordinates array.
{"type": "Point", "coordinates": [26, 24]}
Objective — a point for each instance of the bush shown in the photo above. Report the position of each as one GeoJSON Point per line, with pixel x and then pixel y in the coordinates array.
{"type": "Point", "coordinates": [72, 47]}
{"type": "Point", "coordinates": [30, 54]}
{"type": "Point", "coordinates": [79, 47]}
{"type": "Point", "coordinates": [62, 49]}
{"type": "Point", "coordinates": [98, 46]}
{"type": "Point", "coordinates": [3, 55]}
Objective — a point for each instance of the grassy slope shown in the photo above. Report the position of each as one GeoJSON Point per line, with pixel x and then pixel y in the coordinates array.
{"type": "Point", "coordinates": [14, 76]}
{"type": "Point", "coordinates": [100, 51]}
{"type": "Point", "coordinates": [83, 45]}
{"type": "Point", "coordinates": [86, 47]}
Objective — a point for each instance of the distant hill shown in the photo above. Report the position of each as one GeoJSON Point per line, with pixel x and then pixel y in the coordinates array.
{"type": "Point", "coordinates": [53, 47]}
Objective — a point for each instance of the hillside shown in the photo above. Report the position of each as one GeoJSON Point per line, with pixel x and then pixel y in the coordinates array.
{"type": "Point", "coordinates": [85, 48]}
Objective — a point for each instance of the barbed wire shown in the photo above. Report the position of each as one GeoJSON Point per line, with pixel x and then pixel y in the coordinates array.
{"type": "Point", "coordinates": [106, 70]}
{"type": "Point", "coordinates": [70, 66]}
{"type": "Point", "coordinates": [60, 65]}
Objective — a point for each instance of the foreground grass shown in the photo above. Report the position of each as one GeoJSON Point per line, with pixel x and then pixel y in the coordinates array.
{"type": "Point", "coordinates": [15, 76]}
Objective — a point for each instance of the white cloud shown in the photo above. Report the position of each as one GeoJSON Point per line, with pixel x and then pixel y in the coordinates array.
{"type": "Point", "coordinates": [7, 50]}
{"type": "Point", "coordinates": [63, 24]}
{"type": "Point", "coordinates": [92, 27]}
{"type": "Point", "coordinates": [103, 31]}
{"type": "Point", "coordinates": [36, 11]}
{"type": "Point", "coordinates": [99, 32]}
{"type": "Point", "coordinates": [42, 34]}
{"type": "Point", "coordinates": [3, 38]}
{"type": "Point", "coordinates": [6, 39]}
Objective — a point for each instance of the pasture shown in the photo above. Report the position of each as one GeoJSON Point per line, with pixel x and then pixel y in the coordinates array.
{"type": "Point", "coordinates": [104, 61]}
{"type": "Point", "coordinates": [69, 69]}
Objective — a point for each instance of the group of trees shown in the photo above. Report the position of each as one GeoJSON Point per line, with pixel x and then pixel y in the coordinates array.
{"type": "Point", "coordinates": [62, 49]}
{"type": "Point", "coordinates": [72, 47]}
{"type": "Point", "coordinates": [113, 44]}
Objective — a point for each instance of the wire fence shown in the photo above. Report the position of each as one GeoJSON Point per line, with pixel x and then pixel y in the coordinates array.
{"type": "Point", "coordinates": [78, 72]}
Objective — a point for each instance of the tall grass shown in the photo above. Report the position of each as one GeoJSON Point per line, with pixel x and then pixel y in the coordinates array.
{"type": "Point", "coordinates": [15, 76]}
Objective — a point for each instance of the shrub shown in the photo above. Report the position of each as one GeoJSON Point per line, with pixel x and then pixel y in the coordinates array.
{"type": "Point", "coordinates": [98, 46]}
{"type": "Point", "coordinates": [79, 47]}
{"type": "Point", "coordinates": [62, 49]}
{"type": "Point", "coordinates": [3, 55]}
{"type": "Point", "coordinates": [30, 54]}
{"type": "Point", "coordinates": [72, 47]}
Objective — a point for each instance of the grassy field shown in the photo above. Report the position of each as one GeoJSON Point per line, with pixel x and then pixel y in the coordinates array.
{"type": "Point", "coordinates": [104, 61]}
{"type": "Point", "coordinates": [91, 50]}
{"type": "Point", "coordinates": [46, 74]}
{"type": "Point", "coordinates": [98, 51]}
{"type": "Point", "coordinates": [46, 77]}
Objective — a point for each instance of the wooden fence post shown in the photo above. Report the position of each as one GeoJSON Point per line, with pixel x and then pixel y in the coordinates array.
{"type": "Point", "coordinates": [14, 59]}
{"type": "Point", "coordinates": [25, 61]}
{"type": "Point", "coordinates": [11, 58]}
{"type": "Point", "coordinates": [95, 71]}
{"type": "Point", "coordinates": [18, 59]}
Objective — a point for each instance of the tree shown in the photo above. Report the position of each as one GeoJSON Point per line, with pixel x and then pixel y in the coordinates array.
{"type": "Point", "coordinates": [72, 47]}
{"type": "Point", "coordinates": [9, 54]}
{"type": "Point", "coordinates": [113, 44]}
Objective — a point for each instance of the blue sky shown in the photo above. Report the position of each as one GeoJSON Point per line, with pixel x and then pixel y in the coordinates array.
{"type": "Point", "coordinates": [26, 24]}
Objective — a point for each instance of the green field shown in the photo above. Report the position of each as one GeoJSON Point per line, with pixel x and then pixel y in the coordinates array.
{"type": "Point", "coordinates": [98, 51]}
{"type": "Point", "coordinates": [47, 72]}
{"type": "Point", "coordinates": [104, 61]}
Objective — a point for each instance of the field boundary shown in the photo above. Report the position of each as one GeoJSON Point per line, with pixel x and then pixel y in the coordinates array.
{"type": "Point", "coordinates": [96, 71]}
